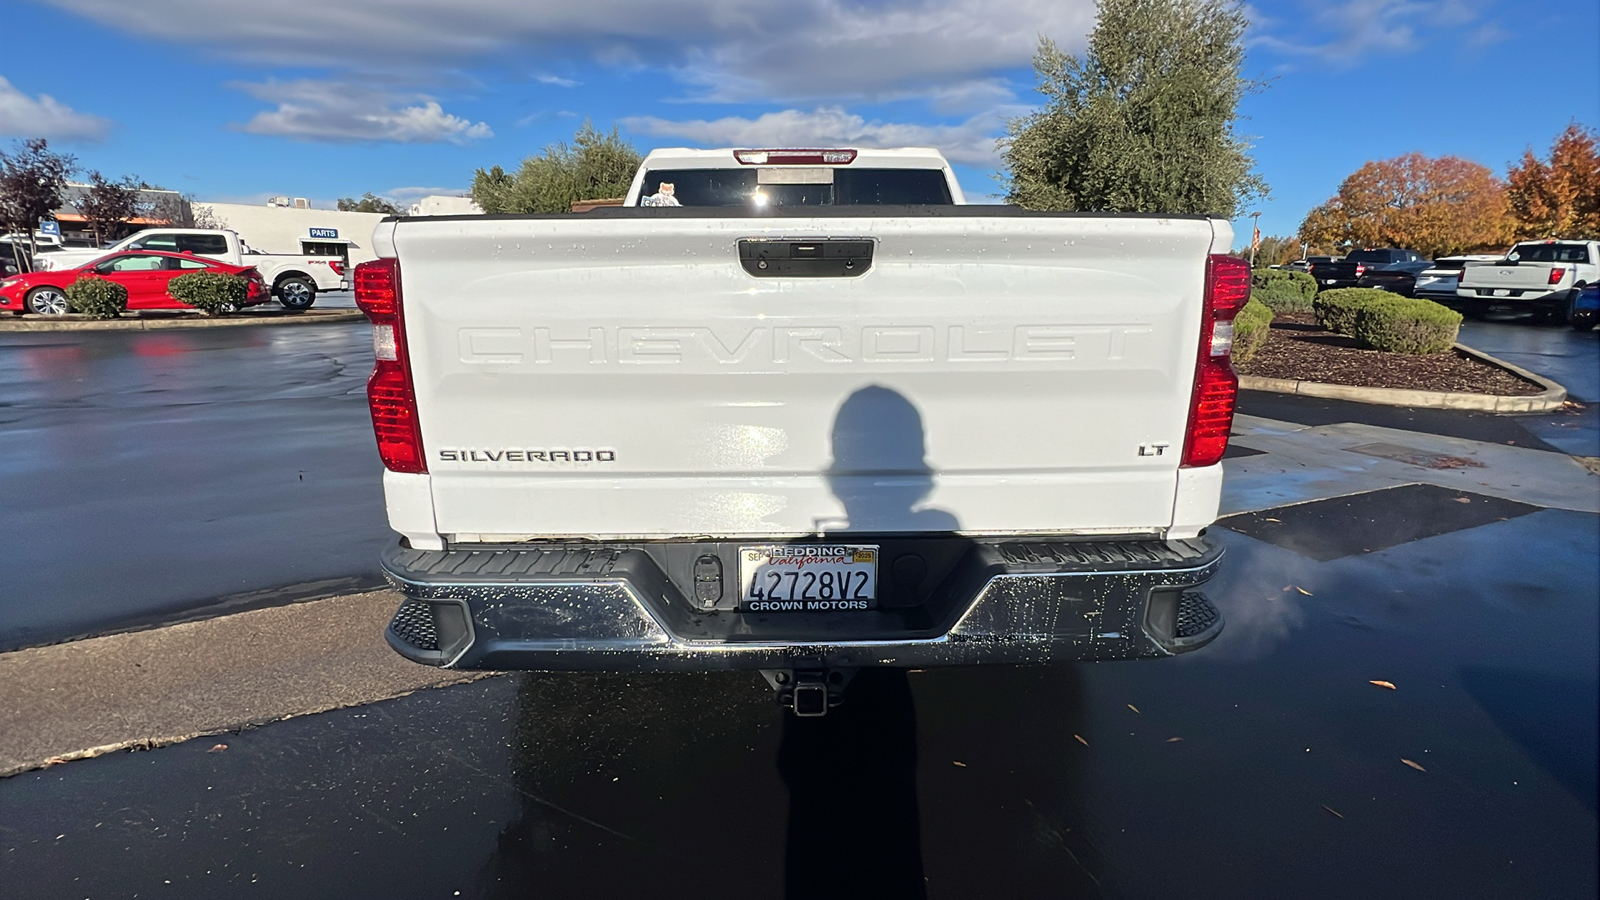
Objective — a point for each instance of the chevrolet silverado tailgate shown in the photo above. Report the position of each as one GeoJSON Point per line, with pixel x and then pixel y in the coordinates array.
{"type": "Point", "coordinates": [645, 375]}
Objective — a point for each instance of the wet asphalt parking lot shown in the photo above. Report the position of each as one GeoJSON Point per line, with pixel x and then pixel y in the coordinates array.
{"type": "Point", "coordinates": [149, 475]}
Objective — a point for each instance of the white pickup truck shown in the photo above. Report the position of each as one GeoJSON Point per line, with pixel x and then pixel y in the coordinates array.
{"type": "Point", "coordinates": [1539, 276]}
{"type": "Point", "coordinates": [295, 279]}
{"type": "Point", "coordinates": [802, 412]}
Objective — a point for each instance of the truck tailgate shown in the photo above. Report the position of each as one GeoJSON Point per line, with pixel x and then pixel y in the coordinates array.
{"type": "Point", "coordinates": [1520, 276]}
{"type": "Point", "coordinates": [625, 375]}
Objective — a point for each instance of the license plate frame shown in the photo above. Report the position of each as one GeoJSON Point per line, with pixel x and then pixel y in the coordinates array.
{"type": "Point", "coordinates": [842, 577]}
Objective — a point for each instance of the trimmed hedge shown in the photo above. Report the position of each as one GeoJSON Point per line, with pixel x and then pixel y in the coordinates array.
{"type": "Point", "coordinates": [213, 293]}
{"type": "Point", "coordinates": [1283, 291]}
{"type": "Point", "coordinates": [97, 298]}
{"type": "Point", "coordinates": [1406, 325]}
{"type": "Point", "coordinates": [1336, 309]}
{"type": "Point", "coordinates": [1250, 328]}
{"type": "Point", "coordinates": [1384, 321]}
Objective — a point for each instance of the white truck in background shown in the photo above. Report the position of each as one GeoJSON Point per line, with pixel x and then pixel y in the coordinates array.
{"type": "Point", "coordinates": [800, 411]}
{"type": "Point", "coordinates": [295, 280]}
{"type": "Point", "coordinates": [1538, 276]}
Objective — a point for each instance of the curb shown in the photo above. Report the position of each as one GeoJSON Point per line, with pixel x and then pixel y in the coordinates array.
{"type": "Point", "coordinates": [310, 317]}
{"type": "Point", "coordinates": [1552, 397]}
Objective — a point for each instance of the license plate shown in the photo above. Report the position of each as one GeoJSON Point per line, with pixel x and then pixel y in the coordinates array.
{"type": "Point", "coordinates": [808, 578]}
{"type": "Point", "coordinates": [1502, 292]}
{"type": "Point", "coordinates": [1330, 281]}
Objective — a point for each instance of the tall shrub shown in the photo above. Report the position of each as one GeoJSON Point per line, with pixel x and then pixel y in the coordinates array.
{"type": "Point", "coordinates": [1283, 291]}
{"type": "Point", "coordinates": [1144, 121]}
{"type": "Point", "coordinates": [597, 166]}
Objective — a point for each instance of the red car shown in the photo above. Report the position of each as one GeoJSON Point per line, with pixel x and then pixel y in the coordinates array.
{"type": "Point", "coordinates": [144, 273]}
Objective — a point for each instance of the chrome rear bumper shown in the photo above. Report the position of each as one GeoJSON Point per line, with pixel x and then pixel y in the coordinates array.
{"type": "Point", "coordinates": [635, 606]}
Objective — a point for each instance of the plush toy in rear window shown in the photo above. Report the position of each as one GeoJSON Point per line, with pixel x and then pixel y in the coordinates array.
{"type": "Point", "coordinates": [665, 195]}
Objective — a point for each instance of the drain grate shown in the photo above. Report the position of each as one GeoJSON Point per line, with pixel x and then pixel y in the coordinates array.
{"type": "Point", "coordinates": [413, 623]}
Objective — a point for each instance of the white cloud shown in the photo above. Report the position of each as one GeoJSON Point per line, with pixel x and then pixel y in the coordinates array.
{"type": "Point", "coordinates": [752, 50]}
{"type": "Point", "coordinates": [340, 112]}
{"type": "Point", "coordinates": [557, 80]}
{"type": "Point", "coordinates": [971, 142]}
{"type": "Point", "coordinates": [45, 117]}
{"type": "Point", "coordinates": [1345, 32]}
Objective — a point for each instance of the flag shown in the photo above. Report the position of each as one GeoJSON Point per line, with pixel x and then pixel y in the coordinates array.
{"type": "Point", "coordinates": [1255, 240]}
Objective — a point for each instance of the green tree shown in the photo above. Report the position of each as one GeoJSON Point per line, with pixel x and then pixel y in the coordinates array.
{"type": "Point", "coordinates": [109, 205]}
{"type": "Point", "coordinates": [1144, 121]}
{"type": "Point", "coordinates": [595, 167]}
{"type": "Point", "coordinates": [32, 180]}
{"type": "Point", "coordinates": [369, 203]}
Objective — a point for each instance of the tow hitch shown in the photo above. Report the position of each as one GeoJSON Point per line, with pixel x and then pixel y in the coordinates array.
{"type": "Point", "coordinates": [809, 691]}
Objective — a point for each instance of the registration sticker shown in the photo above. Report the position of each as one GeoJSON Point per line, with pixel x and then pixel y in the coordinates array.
{"type": "Point", "coordinates": [808, 578]}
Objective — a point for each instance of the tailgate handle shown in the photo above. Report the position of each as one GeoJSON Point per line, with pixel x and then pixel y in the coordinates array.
{"type": "Point", "coordinates": [806, 257]}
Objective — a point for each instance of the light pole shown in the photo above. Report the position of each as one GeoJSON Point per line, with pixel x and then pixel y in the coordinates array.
{"type": "Point", "coordinates": [1255, 236]}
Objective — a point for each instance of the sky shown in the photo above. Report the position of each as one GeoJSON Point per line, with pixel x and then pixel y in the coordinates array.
{"type": "Point", "coordinates": [334, 98]}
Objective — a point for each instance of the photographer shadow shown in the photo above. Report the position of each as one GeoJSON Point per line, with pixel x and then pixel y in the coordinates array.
{"type": "Point", "coordinates": [854, 826]}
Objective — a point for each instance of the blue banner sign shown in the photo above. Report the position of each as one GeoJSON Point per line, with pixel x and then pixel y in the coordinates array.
{"type": "Point", "coordinates": [50, 226]}
{"type": "Point", "coordinates": [330, 233]}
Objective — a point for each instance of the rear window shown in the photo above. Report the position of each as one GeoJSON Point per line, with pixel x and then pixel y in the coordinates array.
{"type": "Point", "coordinates": [203, 243]}
{"type": "Point", "coordinates": [849, 187]}
{"type": "Point", "coordinates": [166, 242]}
{"type": "Point", "coordinates": [1563, 253]}
{"type": "Point", "coordinates": [1364, 256]}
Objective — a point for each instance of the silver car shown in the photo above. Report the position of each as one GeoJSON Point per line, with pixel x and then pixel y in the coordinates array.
{"type": "Point", "coordinates": [1438, 283]}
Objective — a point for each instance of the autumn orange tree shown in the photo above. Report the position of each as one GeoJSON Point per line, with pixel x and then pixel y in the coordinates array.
{"type": "Point", "coordinates": [1437, 206]}
{"type": "Point", "coordinates": [1558, 198]}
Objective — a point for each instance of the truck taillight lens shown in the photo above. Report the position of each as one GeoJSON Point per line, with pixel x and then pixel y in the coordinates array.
{"type": "Point", "coordinates": [1556, 275]}
{"type": "Point", "coordinates": [1216, 387]}
{"type": "Point", "coordinates": [391, 394]}
{"type": "Point", "coordinates": [337, 265]}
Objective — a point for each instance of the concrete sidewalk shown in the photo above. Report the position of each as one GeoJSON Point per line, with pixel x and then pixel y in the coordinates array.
{"type": "Point", "coordinates": [151, 688]}
{"type": "Point", "coordinates": [1302, 463]}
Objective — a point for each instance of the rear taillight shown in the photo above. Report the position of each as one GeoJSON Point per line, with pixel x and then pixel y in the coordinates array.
{"type": "Point", "coordinates": [1556, 274]}
{"type": "Point", "coordinates": [390, 392]}
{"type": "Point", "coordinates": [337, 265]}
{"type": "Point", "coordinates": [1360, 270]}
{"type": "Point", "coordinates": [1216, 387]}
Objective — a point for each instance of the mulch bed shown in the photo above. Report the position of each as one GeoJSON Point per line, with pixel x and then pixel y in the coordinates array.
{"type": "Point", "coordinates": [1298, 348]}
